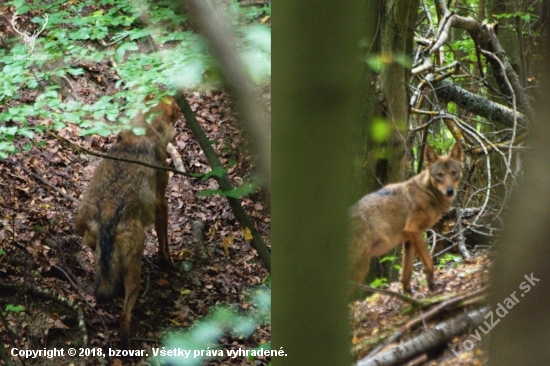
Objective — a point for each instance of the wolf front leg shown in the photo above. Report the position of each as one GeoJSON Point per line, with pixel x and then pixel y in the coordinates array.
{"type": "Point", "coordinates": [416, 240]}
{"type": "Point", "coordinates": [406, 272]}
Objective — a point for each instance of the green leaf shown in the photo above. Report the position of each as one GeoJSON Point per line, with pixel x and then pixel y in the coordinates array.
{"type": "Point", "coordinates": [380, 130]}
{"type": "Point", "coordinates": [387, 258]}
{"type": "Point", "coordinates": [375, 63]}
{"type": "Point", "coordinates": [379, 282]}
{"type": "Point", "coordinates": [26, 132]}
{"type": "Point", "coordinates": [78, 71]}
{"type": "Point", "coordinates": [139, 130]}
{"type": "Point", "coordinates": [14, 308]}
{"type": "Point", "coordinates": [216, 172]}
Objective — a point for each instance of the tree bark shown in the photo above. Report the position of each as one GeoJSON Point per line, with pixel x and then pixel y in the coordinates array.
{"type": "Point", "coordinates": [385, 158]}
{"type": "Point", "coordinates": [478, 105]}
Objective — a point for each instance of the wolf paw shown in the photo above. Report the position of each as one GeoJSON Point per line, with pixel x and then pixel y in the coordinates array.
{"type": "Point", "coordinates": [168, 266]}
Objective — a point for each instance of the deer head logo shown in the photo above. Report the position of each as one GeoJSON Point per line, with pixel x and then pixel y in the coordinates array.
{"type": "Point", "coordinates": [29, 39]}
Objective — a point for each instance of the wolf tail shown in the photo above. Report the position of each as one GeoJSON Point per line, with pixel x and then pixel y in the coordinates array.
{"type": "Point", "coordinates": [108, 282]}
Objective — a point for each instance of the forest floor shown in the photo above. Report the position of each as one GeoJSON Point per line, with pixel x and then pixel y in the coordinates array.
{"type": "Point", "coordinates": [43, 266]}
{"type": "Point", "coordinates": [380, 316]}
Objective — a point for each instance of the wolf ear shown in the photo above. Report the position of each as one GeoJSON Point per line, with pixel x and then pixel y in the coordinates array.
{"type": "Point", "coordinates": [429, 155]}
{"type": "Point", "coordinates": [456, 153]}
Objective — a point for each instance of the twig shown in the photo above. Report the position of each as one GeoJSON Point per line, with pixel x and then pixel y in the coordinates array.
{"type": "Point", "coordinates": [82, 296]}
{"type": "Point", "coordinates": [405, 298]}
{"type": "Point", "coordinates": [514, 107]}
{"type": "Point", "coordinates": [176, 157]}
{"type": "Point", "coordinates": [105, 156]}
{"type": "Point", "coordinates": [43, 181]}
{"type": "Point", "coordinates": [24, 287]}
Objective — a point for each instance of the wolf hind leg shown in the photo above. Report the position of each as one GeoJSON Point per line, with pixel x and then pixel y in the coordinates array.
{"type": "Point", "coordinates": [129, 251]}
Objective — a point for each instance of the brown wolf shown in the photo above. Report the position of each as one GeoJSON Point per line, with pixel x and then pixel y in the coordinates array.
{"type": "Point", "coordinates": [399, 213]}
{"type": "Point", "coordinates": [123, 198]}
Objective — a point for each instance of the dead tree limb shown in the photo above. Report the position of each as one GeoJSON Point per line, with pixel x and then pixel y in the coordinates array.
{"type": "Point", "coordinates": [477, 104]}
{"type": "Point", "coordinates": [428, 340]}
{"type": "Point", "coordinates": [427, 315]}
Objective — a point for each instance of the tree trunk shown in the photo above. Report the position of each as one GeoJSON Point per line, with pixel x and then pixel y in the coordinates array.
{"type": "Point", "coordinates": [522, 336]}
{"type": "Point", "coordinates": [316, 103]}
{"type": "Point", "coordinates": [385, 157]}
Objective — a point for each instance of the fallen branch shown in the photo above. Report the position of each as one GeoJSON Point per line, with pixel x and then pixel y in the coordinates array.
{"type": "Point", "coordinates": [423, 317]}
{"type": "Point", "coordinates": [477, 104]}
{"type": "Point", "coordinates": [428, 340]}
{"type": "Point", "coordinates": [176, 157]}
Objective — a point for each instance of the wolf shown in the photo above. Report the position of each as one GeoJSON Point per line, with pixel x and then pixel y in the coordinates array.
{"type": "Point", "coordinates": [401, 212]}
{"type": "Point", "coordinates": [122, 199]}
